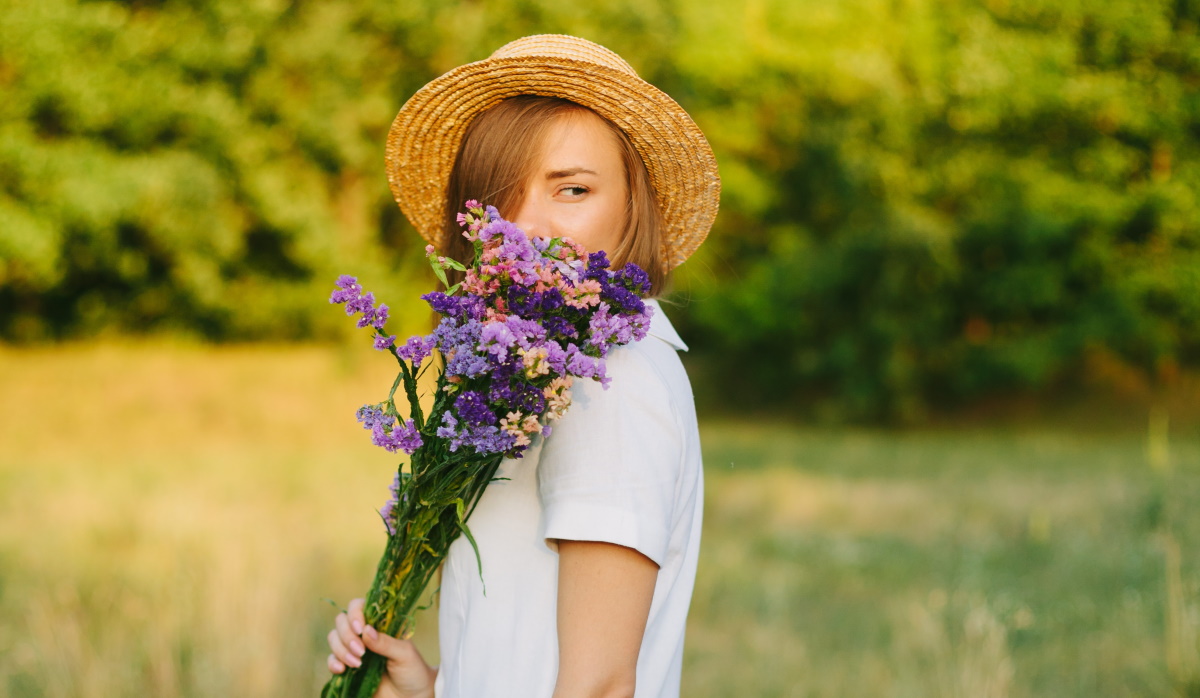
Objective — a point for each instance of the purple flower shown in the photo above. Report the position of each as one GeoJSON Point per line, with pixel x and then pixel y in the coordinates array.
{"type": "Point", "coordinates": [556, 357]}
{"type": "Point", "coordinates": [502, 392]}
{"type": "Point", "coordinates": [442, 304]}
{"type": "Point", "coordinates": [634, 278]}
{"type": "Point", "coordinates": [496, 339]}
{"type": "Point", "coordinates": [450, 334]}
{"type": "Point", "coordinates": [464, 307]}
{"type": "Point", "coordinates": [416, 349]}
{"type": "Point", "coordinates": [408, 439]}
{"type": "Point", "coordinates": [371, 416]}
{"type": "Point", "coordinates": [502, 346]}
{"type": "Point", "coordinates": [381, 316]}
{"type": "Point", "coordinates": [458, 342]}
{"type": "Point", "coordinates": [347, 289]}
{"type": "Point", "coordinates": [605, 328]}
{"type": "Point", "coordinates": [526, 332]}
{"type": "Point", "coordinates": [489, 439]}
{"type": "Point", "coordinates": [530, 400]}
{"type": "Point", "coordinates": [641, 323]}
{"type": "Point", "coordinates": [467, 364]}
{"type": "Point", "coordinates": [362, 304]}
{"type": "Point", "coordinates": [450, 425]}
{"type": "Point", "coordinates": [485, 439]}
{"type": "Point", "coordinates": [522, 302]}
{"type": "Point", "coordinates": [388, 511]}
{"type": "Point", "coordinates": [597, 263]}
{"type": "Point", "coordinates": [623, 299]}
{"type": "Point", "coordinates": [584, 366]}
{"type": "Point", "coordinates": [473, 410]}
{"type": "Point", "coordinates": [560, 327]}
{"type": "Point", "coordinates": [388, 514]}
{"type": "Point", "coordinates": [551, 299]}
{"type": "Point", "coordinates": [500, 228]}
{"type": "Point", "coordinates": [404, 437]}
{"type": "Point", "coordinates": [516, 246]}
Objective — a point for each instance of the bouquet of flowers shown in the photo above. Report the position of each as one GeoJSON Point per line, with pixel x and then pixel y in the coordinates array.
{"type": "Point", "coordinates": [528, 318]}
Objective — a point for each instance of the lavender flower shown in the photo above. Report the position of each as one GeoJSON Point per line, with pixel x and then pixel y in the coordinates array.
{"type": "Point", "coordinates": [388, 511]}
{"type": "Point", "coordinates": [473, 409]}
{"type": "Point", "coordinates": [531, 312]}
{"type": "Point", "coordinates": [347, 289]}
{"type": "Point", "coordinates": [381, 316]}
{"type": "Point", "coordinates": [416, 349]}
{"type": "Point", "coordinates": [402, 437]}
{"type": "Point", "coordinates": [371, 416]}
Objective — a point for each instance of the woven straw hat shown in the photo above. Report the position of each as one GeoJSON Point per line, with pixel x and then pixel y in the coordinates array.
{"type": "Point", "coordinates": [424, 138]}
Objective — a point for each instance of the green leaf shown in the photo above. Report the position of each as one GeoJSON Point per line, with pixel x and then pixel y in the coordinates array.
{"type": "Point", "coordinates": [440, 273]}
{"type": "Point", "coordinates": [462, 524]}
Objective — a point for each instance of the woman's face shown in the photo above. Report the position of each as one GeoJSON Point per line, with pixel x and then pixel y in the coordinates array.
{"type": "Point", "coordinates": [577, 188]}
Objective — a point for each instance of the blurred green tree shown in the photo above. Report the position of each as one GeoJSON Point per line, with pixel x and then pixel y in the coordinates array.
{"type": "Point", "coordinates": [923, 201]}
{"type": "Point", "coordinates": [931, 201]}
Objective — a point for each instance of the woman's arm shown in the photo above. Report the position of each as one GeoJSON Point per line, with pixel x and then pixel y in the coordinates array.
{"type": "Point", "coordinates": [604, 595]}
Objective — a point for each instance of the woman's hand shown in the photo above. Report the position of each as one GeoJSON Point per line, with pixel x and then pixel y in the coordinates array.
{"type": "Point", "coordinates": [408, 676]}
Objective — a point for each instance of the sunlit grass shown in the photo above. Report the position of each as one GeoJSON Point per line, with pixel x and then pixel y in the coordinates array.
{"type": "Point", "coordinates": [171, 517]}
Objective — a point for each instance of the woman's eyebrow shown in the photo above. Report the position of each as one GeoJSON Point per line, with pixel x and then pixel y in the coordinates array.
{"type": "Point", "coordinates": [569, 172]}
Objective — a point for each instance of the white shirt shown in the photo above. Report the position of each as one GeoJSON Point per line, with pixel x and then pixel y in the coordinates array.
{"type": "Point", "coordinates": [621, 466]}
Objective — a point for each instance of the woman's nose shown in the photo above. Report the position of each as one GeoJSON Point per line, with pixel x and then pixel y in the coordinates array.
{"type": "Point", "coordinates": [531, 218]}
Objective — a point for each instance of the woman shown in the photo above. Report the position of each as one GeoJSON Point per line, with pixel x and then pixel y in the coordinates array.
{"type": "Point", "coordinates": [589, 546]}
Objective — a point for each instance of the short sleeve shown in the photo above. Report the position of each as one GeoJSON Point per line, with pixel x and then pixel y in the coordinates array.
{"type": "Point", "coordinates": [609, 471]}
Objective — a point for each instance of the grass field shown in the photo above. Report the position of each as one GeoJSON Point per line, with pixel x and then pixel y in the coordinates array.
{"type": "Point", "coordinates": [171, 517]}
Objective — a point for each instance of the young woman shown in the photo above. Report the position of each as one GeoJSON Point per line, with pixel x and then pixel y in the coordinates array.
{"type": "Point", "coordinates": [589, 548]}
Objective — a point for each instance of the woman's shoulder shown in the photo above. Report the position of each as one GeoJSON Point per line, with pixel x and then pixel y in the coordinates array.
{"type": "Point", "coordinates": [643, 380]}
{"type": "Point", "coordinates": [645, 373]}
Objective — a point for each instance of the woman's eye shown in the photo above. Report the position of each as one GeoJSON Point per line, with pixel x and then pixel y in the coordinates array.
{"type": "Point", "coordinates": [573, 191]}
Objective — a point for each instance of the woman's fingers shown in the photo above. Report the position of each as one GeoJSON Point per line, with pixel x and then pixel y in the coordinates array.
{"type": "Point", "coordinates": [334, 665]}
{"type": "Point", "coordinates": [344, 655]}
{"type": "Point", "coordinates": [349, 638]}
{"type": "Point", "coordinates": [345, 641]}
{"type": "Point", "coordinates": [355, 613]}
{"type": "Point", "coordinates": [388, 646]}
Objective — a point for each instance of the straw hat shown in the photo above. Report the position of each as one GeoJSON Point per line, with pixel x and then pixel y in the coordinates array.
{"type": "Point", "coordinates": [424, 138]}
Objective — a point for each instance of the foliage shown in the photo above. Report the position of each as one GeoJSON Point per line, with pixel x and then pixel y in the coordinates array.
{"type": "Point", "coordinates": [990, 195]}
{"type": "Point", "coordinates": [923, 201]}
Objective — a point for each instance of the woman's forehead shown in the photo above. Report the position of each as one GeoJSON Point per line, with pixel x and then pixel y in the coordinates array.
{"type": "Point", "coordinates": [579, 142]}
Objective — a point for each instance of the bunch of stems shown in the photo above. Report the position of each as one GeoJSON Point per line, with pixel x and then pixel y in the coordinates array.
{"type": "Point", "coordinates": [436, 496]}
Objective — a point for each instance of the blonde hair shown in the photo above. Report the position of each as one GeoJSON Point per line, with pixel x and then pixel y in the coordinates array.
{"type": "Point", "coordinates": [498, 153]}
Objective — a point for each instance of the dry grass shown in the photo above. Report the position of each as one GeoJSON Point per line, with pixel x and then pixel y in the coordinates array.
{"type": "Point", "coordinates": [171, 517]}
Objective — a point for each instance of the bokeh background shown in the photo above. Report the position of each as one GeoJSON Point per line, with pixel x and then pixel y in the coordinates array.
{"type": "Point", "coordinates": [945, 335]}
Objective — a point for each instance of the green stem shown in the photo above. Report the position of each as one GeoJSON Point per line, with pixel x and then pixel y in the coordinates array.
{"type": "Point", "coordinates": [430, 524]}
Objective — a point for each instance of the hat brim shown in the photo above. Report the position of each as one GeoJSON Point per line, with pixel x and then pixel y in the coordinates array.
{"type": "Point", "coordinates": [424, 138]}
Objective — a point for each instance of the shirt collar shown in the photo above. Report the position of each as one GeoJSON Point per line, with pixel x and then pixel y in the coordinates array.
{"type": "Point", "coordinates": [661, 327]}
